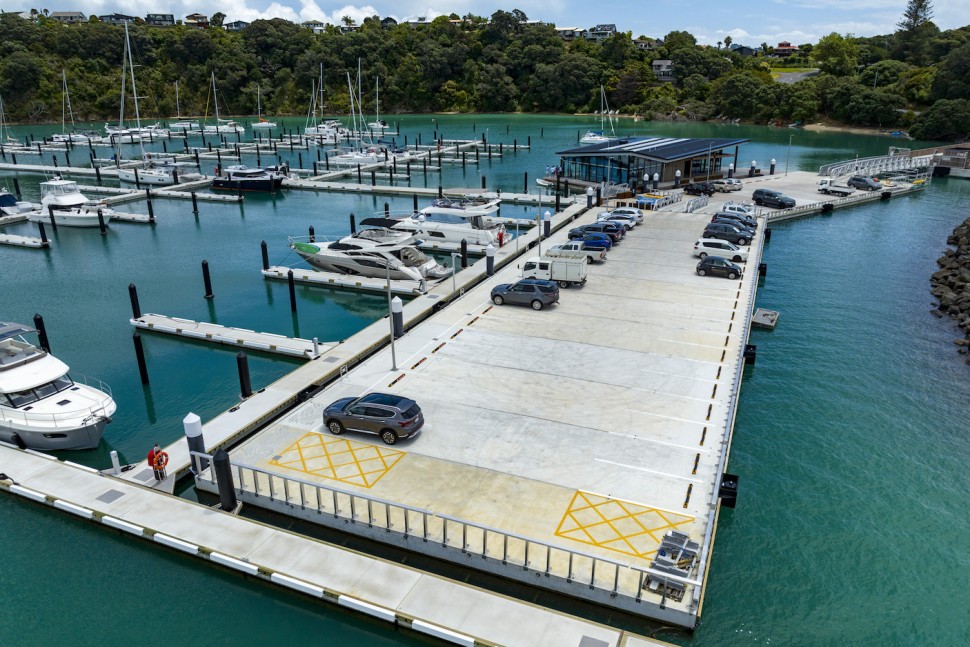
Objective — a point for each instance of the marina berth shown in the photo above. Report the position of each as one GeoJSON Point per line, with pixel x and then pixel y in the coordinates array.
{"type": "Point", "coordinates": [62, 200]}
{"type": "Point", "coordinates": [41, 407]}
{"type": "Point", "coordinates": [244, 178]}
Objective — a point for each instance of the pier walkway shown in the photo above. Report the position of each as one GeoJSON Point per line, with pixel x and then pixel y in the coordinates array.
{"type": "Point", "coordinates": [452, 611]}
{"type": "Point", "coordinates": [241, 337]}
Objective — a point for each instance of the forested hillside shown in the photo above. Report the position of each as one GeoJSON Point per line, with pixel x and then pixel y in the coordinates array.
{"type": "Point", "coordinates": [917, 78]}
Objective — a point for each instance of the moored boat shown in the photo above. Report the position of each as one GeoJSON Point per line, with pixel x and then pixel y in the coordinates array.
{"type": "Point", "coordinates": [69, 207]}
{"type": "Point", "coordinates": [375, 252]}
{"type": "Point", "coordinates": [244, 178]}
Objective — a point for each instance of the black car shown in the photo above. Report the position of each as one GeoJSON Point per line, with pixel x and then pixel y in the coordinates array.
{"type": "Point", "coordinates": [728, 232]}
{"type": "Point", "coordinates": [771, 198]}
{"type": "Point", "coordinates": [392, 417]}
{"type": "Point", "coordinates": [613, 230]}
{"type": "Point", "coordinates": [700, 188]}
{"type": "Point", "coordinates": [723, 216]}
{"type": "Point", "coordinates": [720, 220]}
{"type": "Point", "coordinates": [527, 292]}
{"type": "Point", "coordinates": [864, 183]}
{"type": "Point", "coordinates": [718, 266]}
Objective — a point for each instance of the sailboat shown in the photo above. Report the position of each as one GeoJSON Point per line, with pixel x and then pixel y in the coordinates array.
{"type": "Point", "coordinates": [378, 123]}
{"type": "Point", "coordinates": [66, 110]}
{"type": "Point", "coordinates": [362, 154]}
{"type": "Point", "coordinates": [181, 123]}
{"type": "Point", "coordinates": [222, 125]}
{"type": "Point", "coordinates": [598, 137]}
{"type": "Point", "coordinates": [261, 123]}
{"type": "Point", "coordinates": [157, 170]}
{"type": "Point", "coordinates": [317, 128]}
{"type": "Point", "coordinates": [6, 139]}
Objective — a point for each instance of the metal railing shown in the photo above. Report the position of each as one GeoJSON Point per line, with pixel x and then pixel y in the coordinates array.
{"type": "Point", "coordinates": [57, 420]}
{"type": "Point", "coordinates": [874, 165]}
{"type": "Point", "coordinates": [451, 537]}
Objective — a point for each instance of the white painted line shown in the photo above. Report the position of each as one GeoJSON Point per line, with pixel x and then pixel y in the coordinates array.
{"type": "Point", "coordinates": [365, 607]}
{"type": "Point", "coordinates": [27, 493]}
{"type": "Point", "coordinates": [82, 467]}
{"type": "Point", "coordinates": [232, 562]}
{"type": "Point", "coordinates": [444, 634]}
{"type": "Point", "coordinates": [73, 509]}
{"type": "Point", "coordinates": [297, 585]}
{"type": "Point", "coordinates": [123, 525]}
{"type": "Point", "coordinates": [177, 544]}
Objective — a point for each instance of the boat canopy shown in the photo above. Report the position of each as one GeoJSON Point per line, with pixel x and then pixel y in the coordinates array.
{"type": "Point", "coordinates": [8, 330]}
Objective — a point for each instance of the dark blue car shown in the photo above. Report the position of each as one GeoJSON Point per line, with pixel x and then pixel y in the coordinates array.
{"type": "Point", "coordinates": [591, 240]}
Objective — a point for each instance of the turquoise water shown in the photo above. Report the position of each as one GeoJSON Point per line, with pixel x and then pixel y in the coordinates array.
{"type": "Point", "coordinates": [850, 440]}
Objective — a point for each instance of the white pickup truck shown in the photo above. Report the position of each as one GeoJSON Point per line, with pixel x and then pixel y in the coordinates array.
{"type": "Point", "coordinates": [577, 249]}
{"type": "Point", "coordinates": [830, 186]}
{"type": "Point", "coordinates": [564, 271]}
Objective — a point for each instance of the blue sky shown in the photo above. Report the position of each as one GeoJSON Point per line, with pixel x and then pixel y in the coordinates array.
{"type": "Point", "coordinates": [749, 22]}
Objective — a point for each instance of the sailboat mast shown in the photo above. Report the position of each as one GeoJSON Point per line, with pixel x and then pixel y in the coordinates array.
{"type": "Point", "coordinates": [178, 110]}
{"type": "Point", "coordinates": [63, 99]}
{"type": "Point", "coordinates": [215, 98]}
{"type": "Point", "coordinates": [134, 90]}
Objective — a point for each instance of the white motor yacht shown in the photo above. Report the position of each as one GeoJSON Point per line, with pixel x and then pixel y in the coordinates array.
{"type": "Point", "coordinates": [160, 172]}
{"type": "Point", "coordinates": [452, 221]}
{"type": "Point", "coordinates": [11, 206]}
{"type": "Point", "coordinates": [377, 253]}
{"type": "Point", "coordinates": [364, 156]}
{"type": "Point", "coordinates": [70, 207]}
{"type": "Point", "coordinates": [41, 406]}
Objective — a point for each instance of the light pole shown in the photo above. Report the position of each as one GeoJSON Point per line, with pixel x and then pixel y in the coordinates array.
{"type": "Point", "coordinates": [454, 270]}
{"type": "Point", "coordinates": [390, 316]}
{"type": "Point", "coordinates": [788, 157]}
{"type": "Point", "coordinates": [539, 229]}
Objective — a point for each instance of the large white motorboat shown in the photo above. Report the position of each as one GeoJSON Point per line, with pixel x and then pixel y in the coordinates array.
{"type": "Point", "coordinates": [244, 178]}
{"type": "Point", "coordinates": [452, 221]}
{"type": "Point", "coordinates": [69, 206]}
{"type": "Point", "coordinates": [377, 252]}
{"type": "Point", "coordinates": [41, 406]}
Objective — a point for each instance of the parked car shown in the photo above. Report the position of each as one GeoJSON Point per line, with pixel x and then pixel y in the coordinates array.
{"type": "Point", "coordinates": [727, 184]}
{"type": "Point", "coordinates": [736, 219]}
{"type": "Point", "coordinates": [771, 198]}
{"type": "Point", "coordinates": [630, 211]}
{"type": "Point", "coordinates": [578, 249]}
{"type": "Point", "coordinates": [727, 232]}
{"type": "Point", "coordinates": [611, 229]}
{"type": "Point", "coordinates": [741, 208]}
{"type": "Point", "coordinates": [863, 182]}
{"type": "Point", "coordinates": [699, 188]}
{"type": "Point", "coordinates": [718, 266]}
{"type": "Point", "coordinates": [392, 417]}
{"type": "Point", "coordinates": [527, 292]}
{"type": "Point", "coordinates": [628, 221]}
{"type": "Point", "coordinates": [591, 240]}
{"type": "Point", "coordinates": [705, 247]}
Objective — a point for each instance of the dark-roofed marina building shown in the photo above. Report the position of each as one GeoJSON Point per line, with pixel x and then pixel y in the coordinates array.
{"type": "Point", "coordinates": [627, 160]}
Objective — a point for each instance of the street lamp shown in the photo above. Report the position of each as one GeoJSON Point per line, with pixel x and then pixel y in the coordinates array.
{"type": "Point", "coordinates": [539, 229]}
{"type": "Point", "coordinates": [788, 157]}
{"type": "Point", "coordinates": [390, 315]}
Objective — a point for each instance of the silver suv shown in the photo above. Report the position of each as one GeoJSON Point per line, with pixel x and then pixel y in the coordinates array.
{"type": "Point", "coordinates": [863, 182]}
{"type": "Point", "coordinates": [392, 417]}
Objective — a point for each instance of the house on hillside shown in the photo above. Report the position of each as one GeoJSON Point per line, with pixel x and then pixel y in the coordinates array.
{"type": "Point", "coordinates": [601, 32]}
{"type": "Point", "coordinates": [346, 29]}
{"type": "Point", "coordinates": [663, 69]}
{"type": "Point", "coordinates": [67, 16]}
{"type": "Point", "coordinates": [420, 21]}
{"type": "Point", "coordinates": [117, 19]}
{"type": "Point", "coordinates": [784, 48]}
{"type": "Point", "coordinates": [388, 23]}
{"type": "Point", "coordinates": [196, 20]}
{"type": "Point", "coordinates": [648, 44]}
{"type": "Point", "coordinates": [571, 33]}
{"type": "Point", "coordinates": [160, 19]}
{"type": "Point", "coordinates": [235, 25]}
{"type": "Point", "coordinates": [744, 50]}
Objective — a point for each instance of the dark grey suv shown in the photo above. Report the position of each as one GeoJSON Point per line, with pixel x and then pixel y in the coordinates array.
{"type": "Point", "coordinates": [772, 199]}
{"type": "Point", "coordinates": [725, 231]}
{"type": "Point", "coordinates": [392, 417]}
{"type": "Point", "coordinates": [865, 183]}
{"type": "Point", "coordinates": [527, 292]}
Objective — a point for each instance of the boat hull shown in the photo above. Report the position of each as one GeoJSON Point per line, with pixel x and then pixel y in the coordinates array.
{"type": "Point", "coordinates": [265, 186]}
{"type": "Point", "coordinates": [83, 437]}
{"type": "Point", "coordinates": [145, 177]}
{"type": "Point", "coordinates": [72, 217]}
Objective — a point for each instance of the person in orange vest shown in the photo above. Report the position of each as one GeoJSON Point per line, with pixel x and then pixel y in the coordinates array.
{"type": "Point", "coordinates": [157, 457]}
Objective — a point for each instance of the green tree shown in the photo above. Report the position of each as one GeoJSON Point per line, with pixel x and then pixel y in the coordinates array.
{"type": "Point", "coordinates": [918, 12]}
{"type": "Point", "coordinates": [947, 120]}
{"type": "Point", "coordinates": [883, 73]}
{"type": "Point", "coordinates": [836, 55]}
{"type": "Point", "coordinates": [677, 40]}
{"type": "Point", "coordinates": [727, 41]}
{"type": "Point", "coordinates": [217, 19]}
{"type": "Point", "coordinates": [952, 80]}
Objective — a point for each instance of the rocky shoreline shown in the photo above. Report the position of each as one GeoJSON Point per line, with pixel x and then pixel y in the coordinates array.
{"type": "Point", "coordinates": [951, 284]}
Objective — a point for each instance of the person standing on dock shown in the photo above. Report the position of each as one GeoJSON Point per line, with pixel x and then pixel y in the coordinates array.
{"type": "Point", "coordinates": [154, 459]}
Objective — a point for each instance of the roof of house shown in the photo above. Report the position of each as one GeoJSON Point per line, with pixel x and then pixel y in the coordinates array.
{"type": "Point", "coordinates": [661, 149]}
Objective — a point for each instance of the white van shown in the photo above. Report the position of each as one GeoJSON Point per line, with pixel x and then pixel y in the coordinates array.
{"type": "Point", "coordinates": [716, 247]}
{"type": "Point", "coordinates": [565, 271]}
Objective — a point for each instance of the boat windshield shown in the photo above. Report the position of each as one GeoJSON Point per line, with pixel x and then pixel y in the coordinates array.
{"type": "Point", "coordinates": [19, 399]}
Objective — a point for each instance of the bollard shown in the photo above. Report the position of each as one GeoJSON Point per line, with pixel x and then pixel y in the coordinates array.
{"type": "Point", "coordinates": [558, 204]}
{"type": "Point", "coordinates": [218, 158]}
{"type": "Point", "coordinates": [677, 179]}
{"type": "Point", "coordinates": [133, 297]}
{"type": "Point", "coordinates": [762, 269]}
{"type": "Point", "coordinates": [515, 146]}
{"type": "Point", "coordinates": [242, 366]}
{"type": "Point", "coordinates": [397, 316]}
{"type": "Point", "coordinates": [441, 194]}
{"type": "Point", "coordinates": [316, 348]}
{"type": "Point", "coordinates": [101, 226]}
{"type": "Point", "coordinates": [353, 224]}
{"type": "Point", "coordinates": [750, 354]}
{"type": "Point", "coordinates": [50, 211]}
{"type": "Point", "coordinates": [767, 234]}
{"type": "Point", "coordinates": [730, 170]}
{"type": "Point", "coordinates": [483, 181]}
{"type": "Point", "coordinates": [360, 179]}
{"type": "Point", "coordinates": [771, 169]}
{"type": "Point", "coordinates": [137, 182]}
{"type": "Point", "coordinates": [501, 148]}
{"type": "Point", "coordinates": [151, 207]}
{"type": "Point", "coordinates": [292, 285]}
{"type": "Point", "coordinates": [165, 144]}
{"type": "Point", "coordinates": [373, 177]}
{"type": "Point", "coordinates": [525, 182]}
{"type": "Point", "coordinates": [207, 280]}
{"type": "Point", "coordinates": [315, 171]}
{"type": "Point", "coordinates": [265, 252]}
{"type": "Point", "coordinates": [656, 181]}
{"type": "Point", "coordinates": [565, 188]}
{"type": "Point", "coordinates": [490, 260]}
{"type": "Point", "coordinates": [415, 201]}
{"type": "Point", "coordinates": [13, 156]}
{"type": "Point", "coordinates": [754, 164]}
{"type": "Point", "coordinates": [140, 357]}
{"type": "Point", "coordinates": [300, 158]}
{"type": "Point", "coordinates": [464, 253]}
{"type": "Point", "coordinates": [387, 210]}
{"type": "Point", "coordinates": [192, 425]}
{"type": "Point", "coordinates": [175, 176]}
{"type": "Point", "coordinates": [67, 158]}
{"type": "Point", "coordinates": [43, 232]}
{"type": "Point", "coordinates": [195, 204]}
{"type": "Point", "coordinates": [546, 224]}
{"type": "Point", "coordinates": [16, 188]}
{"type": "Point", "coordinates": [326, 161]}
{"type": "Point", "coordinates": [42, 333]}
{"type": "Point", "coordinates": [589, 197]}
{"type": "Point", "coordinates": [223, 473]}
{"type": "Point", "coordinates": [239, 190]}
{"type": "Point", "coordinates": [313, 237]}
{"type": "Point", "coordinates": [53, 157]}
{"type": "Point", "coordinates": [115, 463]}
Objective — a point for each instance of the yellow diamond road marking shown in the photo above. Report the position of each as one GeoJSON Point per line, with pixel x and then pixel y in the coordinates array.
{"type": "Point", "coordinates": [338, 459]}
{"type": "Point", "coordinates": [622, 526]}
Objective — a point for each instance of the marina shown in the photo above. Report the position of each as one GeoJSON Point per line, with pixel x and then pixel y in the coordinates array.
{"type": "Point", "coordinates": [659, 458]}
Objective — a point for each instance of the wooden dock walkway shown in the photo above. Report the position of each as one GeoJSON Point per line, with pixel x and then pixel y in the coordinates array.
{"type": "Point", "coordinates": [242, 337]}
{"type": "Point", "coordinates": [403, 596]}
